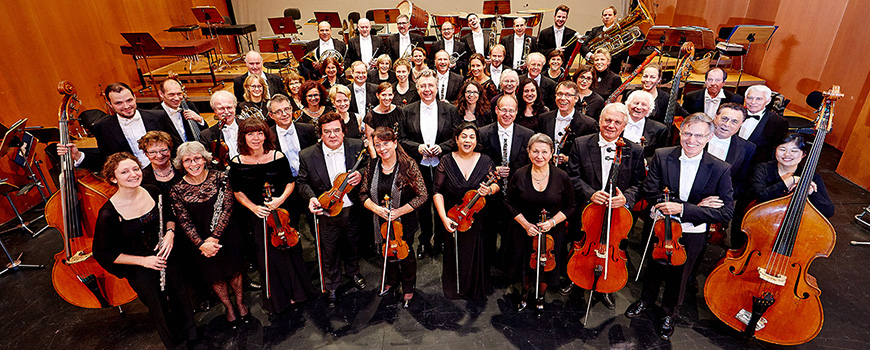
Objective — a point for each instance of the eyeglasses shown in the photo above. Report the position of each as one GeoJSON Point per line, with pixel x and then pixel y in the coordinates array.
{"type": "Point", "coordinates": [335, 131]}
{"type": "Point", "coordinates": [508, 110]}
{"type": "Point", "coordinates": [385, 144]}
{"type": "Point", "coordinates": [563, 94]}
{"type": "Point", "coordinates": [585, 78]}
{"type": "Point", "coordinates": [472, 93]}
{"type": "Point", "coordinates": [252, 87]}
{"type": "Point", "coordinates": [194, 160]}
{"type": "Point", "coordinates": [163, 151]}
{"type": "Point", "coordinates": [402, 23]}
{"type": "Point", "coordinates": [687, 135]}
{"type": "Point", "coordinates": [283, 111]}
{"type": "Point", "coordinates": [313, 96]}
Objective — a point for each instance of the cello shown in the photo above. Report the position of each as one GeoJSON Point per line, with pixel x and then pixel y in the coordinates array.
{"type": "Point", "coordinates": [766, 292]}
{"type": "Point", "coordinates": [73, 210]}
{"type": "Point", "coordinates": [600, 255]}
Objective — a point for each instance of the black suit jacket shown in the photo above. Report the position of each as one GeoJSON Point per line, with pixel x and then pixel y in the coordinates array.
{"type": "Point", "coordinates": [416, 39]}
{"type": "Point", "coordinates": [410, 135]}
{"type": "Point", "coordinates": [187, 130]}
{"type": "Point", "coordinates": [459, 47]}
{"type": "Point", "coordinates": [454, 85]}
{"type": "Point", "coordinates": [468, 39]}
{"type": "Point", "coordinates": [713, 179]}
{"type": "Point", "coordinates": [547, 41]}
{"type": "Point", "coordinates": [339, 46]}
{"type": "Point", "coordinates": [314, 178]}
{"type": "Point", "coordinates": [111, 139]}
{"type": "Point", "coordinates": [491, 145]}
{"type": "Point", "coordinates": [508, 43]}
{"type": "Point", "coordinates": [354, 53]}
{"type": "Point", "coordinates": [771, 130]}
{"type": "Point", "coordinates": [590, 34]}
{"type": "Point", "coordinates": [305, 132]}
{"type": "Point", "coordinates": [547, 89]}
{"type": "Point", "coordinates": [584, 168]}
{"type": "Point", "coordinates": [580, 125]}
{"type": "Point", "coordinates": [656, 136]}
{"type": "Point", "coordinates": [739, 155]}
{"type": "Point", "coordinates": [371, 96]}
{"type": "Point", "coordinates": [275, 82]}
{"type": "Point", "coordinates": [693, 102]}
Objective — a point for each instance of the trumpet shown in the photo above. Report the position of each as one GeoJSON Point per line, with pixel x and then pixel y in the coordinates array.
{"type": "Point", "coordinates": [454, 57]}
{"type": "Point", "coordinates": [527, 47]}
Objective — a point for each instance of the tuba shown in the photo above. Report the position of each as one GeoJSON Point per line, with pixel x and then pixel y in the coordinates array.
{"type": "Point", "coordinates": [624, 33]}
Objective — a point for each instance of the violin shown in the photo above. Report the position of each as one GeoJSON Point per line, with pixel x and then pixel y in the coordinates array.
{"type": "Point", "coordinates": [73, 210]}
{"type": "Point", "coordinates": [605, 229]}
{"type": "Point", "coordinates": [683, 68]}
{"type": "Point", "coordinates": [391, 231]}
{"type": "Point", "coordinates": [543, 258]}
{"type": "Point", "coordinates": [668, 232]}
{"type": "Point", "coordinates": [765, 291]}
{"type": "Point", "coordinates": [219, 150]}
{"type": "Point", "coordinates": [332, 200]}
{"type": "Point", "coordinates": [472, 202]}
{"type": "Point", "coordinates": [282, 236]}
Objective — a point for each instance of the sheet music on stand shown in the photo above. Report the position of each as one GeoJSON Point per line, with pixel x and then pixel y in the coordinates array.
{"type": "Point", "coordinates": [749, 34]}
{"type": "Point", "coordinates": [210, 16]}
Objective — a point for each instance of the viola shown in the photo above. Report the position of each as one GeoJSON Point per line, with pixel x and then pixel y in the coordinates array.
{"type": "Point", "coordinates": [472, 202]}
{"type": "Point", "coordinates": [765, 291]}
{"type": "Point", "coordinates": [687, 52]}
{"type": "Point", "coordinates": [219, 150]}
{"type": "Point", "coordinates": [73, 210]}
{"type": "Point", "coordinates": [605, 229]}
{"type": "Point", "coordinates": [332, 200]}
{"type": "Point", "coordinates": [281, 235]}
{"type": "Point", "coordinates": [391, 231]}
{"type": "Point", "coordinates": [543, 258]}
{"type": "Point", "coordinates": [668, 249]}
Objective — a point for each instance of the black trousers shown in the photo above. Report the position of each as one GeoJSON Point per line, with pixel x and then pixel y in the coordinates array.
{"type": "Point", "coordinates": [674, 277]}
{"type": "Point", "coordinates": [429, 228]}
{"type": "Point", "coordinates": [403, 271]}
{"type": "Point", "coordinates": [339, 244]}
{"type": "Point", "coordinates": [170, 310]}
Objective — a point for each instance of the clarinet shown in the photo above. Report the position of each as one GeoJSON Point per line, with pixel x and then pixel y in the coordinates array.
{"type": "Point", "coordinates": [160, 234]}
{"type": "Point", "coordinates": [504, 162]}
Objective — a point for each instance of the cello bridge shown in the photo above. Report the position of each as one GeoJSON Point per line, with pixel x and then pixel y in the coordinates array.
{"type": "Point", "coordinates": [778, 280]}
{"type": "Point", "coordinates": [743, 316]}
{"type": "Point", "coordinates": [78, 257]}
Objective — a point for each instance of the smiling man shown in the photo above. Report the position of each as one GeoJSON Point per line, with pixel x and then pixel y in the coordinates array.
{"type": "Point", "coordinates": [254, 63]}
{"type": "Point", "coordinates": [400, 42]}
{"type": "Point", "coordinates": [762, 126]}
{"type": "Point", "coordinates": [172, 95]}
{"type": "Point", "coordinates": [713, 95]}
{"type": "Point", "coordinates": [546, 86]}
{"type": "Point", "coordinates": [554, 123]}
{"type": "Point", "coordinates": [556, 36]}
{"type": "Point", "coordinates": [514, 44]}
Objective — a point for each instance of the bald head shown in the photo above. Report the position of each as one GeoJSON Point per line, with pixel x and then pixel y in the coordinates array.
{"type": "Point", "coordinates": [254, 62]}
{"type": "Point", "coordinates": [364, 26]}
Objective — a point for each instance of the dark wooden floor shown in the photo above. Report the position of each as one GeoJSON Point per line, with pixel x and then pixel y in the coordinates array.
{"type": "Point", "coordinates": [32, 316]}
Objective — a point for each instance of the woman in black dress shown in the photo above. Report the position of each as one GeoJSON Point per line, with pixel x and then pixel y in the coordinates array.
{"type": "Point", "coordinates": [555, 61]}
{"type": "Point", "coordinates": [259, 163]}
{"type": "Point", "coordinates": [394, 173]}
{"type": "Point", "coordinates": [418, 58]}
{"type": "Point", "coordinates": [385, 114]}
{"type": "Point", "coordinates": [382, 73]}
{"type": "Point", "coordinates": [315, 102]}
{"type": "Point", "coordinates": [530, 105]}
{"type": "Point", "coordinates": [331, 71]}
{"type": "Point", "coordinates": [125, 239]}
{"type": "Point", "coordinates": [471, 105]}
{"type": "Point", "coordinates": [590, 102]}
{"type": "Point", "coordinates": [477, 71]}
{"type": "Point", "coordinates": [340, 97]}
{"type": "Point", "coordinates": [203, 203]}
{"type": "Point", "coordinates": [534, 187]}
{"type": "Point", "coordinates": [294, 88]}
{"type": "Point", "coordinates": [607, 80]}
{"type": "Point", "coordinates": [458, 173]}
{"type": "Point", "coordinates": [779, 177]}
{"type": "Point", "coordinates": [255, 98]}
{"type": "Point", "coordinates": [404, 92]}
{"type": "Point", "coordinates": [157, 146]}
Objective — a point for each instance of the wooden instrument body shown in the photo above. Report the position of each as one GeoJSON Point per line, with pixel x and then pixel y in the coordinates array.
{"type": "Point", "coordinates": [548, 260]}
{"type": "Point", "coordinates": [282, 235]}
{"type": "Point", "coordinates": [394, 245]}
{"type": "Point", "coordinates": [463, 213]}
{"type": "Point", "coordinates": [332, 201]}
{"type": "Point", "coordinates": [796, 316]}
{"type": "Point", "coordinates": [219, 150]}
{"type": "Point", "coordinates": [668, 248]}
{"type": "Point", "coordinates": [591, 254]}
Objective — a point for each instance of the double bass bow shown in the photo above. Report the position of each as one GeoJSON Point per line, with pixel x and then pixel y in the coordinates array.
{"type": "Point", "coordinates": [766, 292]}
{"type": "Point", "coordinates": [73, 210]}
{"type": "Point", "coordinates": [600, 255]}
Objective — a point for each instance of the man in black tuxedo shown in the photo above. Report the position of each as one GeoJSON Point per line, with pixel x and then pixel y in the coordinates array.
{"type": "Point", "coordinates": [701, 190]}
{"type": "Point", "coordinates": [121, 132]}
{"type": "Point", "coordinates": [224, 105]}
{"type": "Point", "coordinates": [608, 18]}
{"type": "Point", "coordinates": [453, 46]}
{"type": "Point", "coordinates": [449, 83]}
{"type": "Point", "coordinates": [713, 95]}
{"type": "Point", "coordinates": [763, 127]}
{"type": "Point", "coordinates": [591, 166]}
{"type": "Point", "coordinates": [642, 130]}
{"type": "Point", "coordinates": [476, 41]}
{"type": "Point", "coordinates": [496, 64]}
{"type": "Point", "coordinates": [319, 165]}
{"type": "Point", "coordinates": [364, 47]}
{"type": "Point", "coordinates": [553, 123]}
{"type": "Point", "coordinates": [254, 62]}
{"type": "Point", "coordinates": [400, 42]}
{"type": "Point", "coordinates": [556, 36]}
{"type": "Point", "coordinates": [172, 95]}
{"type": "Point", "coordinates": [324, 42]}
{"type": "Point", "coordinates": [426, 134]}
{"type": "Point", "coordinates": [546, 86]}
{"type": "Point", "coordinates": [291, 138]}
{"type": "Point", "coordinates": [514, 45]}
{"type": "Point", "coordinates": [362, 93]}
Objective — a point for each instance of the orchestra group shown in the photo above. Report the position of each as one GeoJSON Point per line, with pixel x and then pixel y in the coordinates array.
{"type": "Point", "coordinates": [403, 140]}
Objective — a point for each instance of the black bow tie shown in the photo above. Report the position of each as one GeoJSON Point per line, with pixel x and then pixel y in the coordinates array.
{"type": "Point", "coordinates": [756, 116]}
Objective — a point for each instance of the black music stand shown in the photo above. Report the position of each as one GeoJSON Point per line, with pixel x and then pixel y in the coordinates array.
{"type": "Point", "coordinates": [330, 17]}
{"type": "Point", "coordinates": [142, 42]}
{"type": "Point", "coordinates": [749, 34]}
{"type": "Point", "coordinates": [676, 36]}
{"type": "Point", "coordinates": [496, 7]}
{"type": "Point", "coordinates": [385, 16]}
{"type": "Point", "coordinates": [23, 144]}
{"type": "Point", "coordinates": [283, 25]}
{"type": "Point", "coordinates": [210, 16]}
{"type": "Point", "coordinates": [278, 45]}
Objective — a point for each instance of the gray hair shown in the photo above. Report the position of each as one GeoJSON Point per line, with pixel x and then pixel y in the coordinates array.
{"type": "Point", "coordinates": [699, 117]}
{"type": "Point", "coordinates": [276, 99]}
{"type": "Point", "coordinates": [539, 137]}
{"type": "Point", "coordinates": [536, 56]}
{"type": "Point", "coordinates": [641, 95]}
{"type": "Point", "coordinates": [426, 73]}
{"type": "Point", "coordinates": [508, 72]}
{"type": "Point", "coordinates": [189, 148]}
{"type": "Point", "coordinates": [222, 94]}
{"type": "Point", "coordinates": [617, 107]}
{"type": "Point", "coordinates": [762, 89]}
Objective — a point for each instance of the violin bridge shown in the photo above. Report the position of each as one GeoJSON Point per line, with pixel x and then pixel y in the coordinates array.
{"type": "Point", "coordinates": [600, 254]}
{"type": "Point", "coordinates": [744, 315]}
{"type": "Point", "coordinates": [778, 280]}
{"type": "Point", "coordinates": [78, 257]}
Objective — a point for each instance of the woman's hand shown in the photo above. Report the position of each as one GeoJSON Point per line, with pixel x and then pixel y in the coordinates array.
{"type": "Point", "coordinates": [449, 224]}
{"type": "Point", "coordinates": [484, 190]}
{"type": "Point", "coordinates": [547, 225]}
{"type": "Point", "coordinates": [261, 211]}
{"type": "Point", "coordinates": [154, 262]}
{"type": "Point", "coordinates": [168, 239]}
{"type": "Point", "coordinates": [532, 230]}
{"type": "Point", "coordinates": [210, 248]}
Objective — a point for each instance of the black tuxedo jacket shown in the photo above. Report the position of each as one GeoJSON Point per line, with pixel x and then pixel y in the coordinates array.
{"type": "Point", "coordinates": [468, 39]}
{"type": "Point", "coordinates": [508, 43]}
{"type": "Point", "coordinates": [547, 89]}
{"type": "Point", "coordinates": [305, 131]}
{"type": "Point", "coordinates": [693, 102]}
{"type": "Point", "coordinates": [371, 96]}
{"type": "Point", "coordinates": [410, 135]}
{"type": "Point", "coordinates": [656, 136]}
{"type": "Point", "coordinates": [354, 53]}
{"type": "Point", "coordinates": [713, 179]}
{"type": "Point", "coordinates": [111, 139]}
{"type": "Point", "coordinates": [491, 145]}
{"type": "Point", "coordinates": [454, 85]}
{"type": "Point", "coordinates": [314, 178]}
{"type": "Point", "coordinates": [771, 130]}
{"type": "Point", "coordinates": [739, 155]}
{"type": "Point", "coordinates": [584, 168]}
{"type": "Point", "coordinates": [459, 47]}
{"type": "Point", "coordinates": [187, 130]}
{"type": "Point", "coordinates": [275, 82]}
{"type": "Point", "coordinates": [580, 125]}
{"type": "Point", "coordinates": [416, 39]}
{"type": "Point", "coordinates": [590, 34]}
{"type": "Point", "coordinates": [547, 41]}
{"type": "Point", "coordinates": [339, 46]}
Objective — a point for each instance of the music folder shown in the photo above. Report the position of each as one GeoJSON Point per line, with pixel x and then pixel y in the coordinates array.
{"type": "Point", "coordinates": [283, 25]}
{"type": "Point", "coordinates": [330, 17]}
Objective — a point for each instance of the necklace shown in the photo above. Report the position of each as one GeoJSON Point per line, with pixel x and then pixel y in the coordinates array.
{"type": "Point", "coordinates": [538, 181]}
{"type": "Point", "coordinates": [168, 173]}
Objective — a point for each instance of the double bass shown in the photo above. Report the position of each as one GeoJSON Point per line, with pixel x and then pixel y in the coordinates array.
{"type": "Point", "coordinates": [766, 292]}
{"type": "Point", "coordinates": [192, 124]}
{"type": "Point", "coordinates": [73, 210]}
{"type": "Point", "coordinates": [683, 67]}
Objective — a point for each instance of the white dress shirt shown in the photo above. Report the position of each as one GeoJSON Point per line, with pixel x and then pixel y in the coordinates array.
{"type": "Point", "coordinates": [361, 94]}
{"type": "Point", "coordinates": [290, 146]}
{"type": "Point", "coordinates": [495, 74]}
{"type": "Point", "coordinates": [365, 49]}
{"type": "Point", "coordinates": [688, 172]}
{"type": "Point", "coordinates": [711, 104]}
{"type": "Point", "coordinates": [558, 33]}
{"type": "Point", "coordinates": [335, 165]}
{"type": "Point", "coordinates": [429, 130]}
{"type": "Point", "coordinates": [561, 122]}
{"type": "Point", "coordinates": [478, 42]}
{"type": "Point", "coordinates": [634, 130]}
{"type": "Point", "coordinates": [608, 151]}
{"type": "Point", "coordinates": [133, 129]}
{"type": "Point", "coordinates": [750, 124]}
{"type": "Point", "coordinates": [719, 147]}
{"type": "Point", "coordinates": [177, 118]}
{"type": "Point", "coordinates": [519, 42]}
{"type": "Point", "coordinates": [505, 139]}
{"type": "Point", "coordinates": [326, 45]}
{"type": "Point", "coordinates": [442, 85]}
{"type": "Point", "coordinates": [404, 42]}
{"type": "Point", "coordinates": [231, 137]}
{"type": "Point", "coordinates": [448, 45]}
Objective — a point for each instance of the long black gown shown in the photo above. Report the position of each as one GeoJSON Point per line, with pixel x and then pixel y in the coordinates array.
{"type": "Point", "coordinates": [288, 276]}
{"type": "Point", "coordinates": [473, 277]}
{"type": "Point", "coordinates": [375, 119]}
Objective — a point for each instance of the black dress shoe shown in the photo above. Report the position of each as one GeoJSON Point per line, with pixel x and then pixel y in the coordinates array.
{"type": "Point", "coordinates": [422, 250]}
{"type": "Point", "coordinates": [522, 306]}
{"type": "Point", "coordinates": [386, 291]}
{"type": "Point", "coordinates": [666, 329]}
{"type": "Point", "coordinates": [247, 319]}
{"type": "Point", "coordinates": [359, 281]}
{"type": "Point", "coordinates": [252, 286]}
{"type": "Point", "coordinates": [437, 249]}
{"type": "Point", "coordinates": [606, 299]}
{"type": "Point", "coordinates": [331, 299]}
{"type": "Point", "coordinates": [636, 309]}
{"type": "Point", "coordinates": [567, 289]}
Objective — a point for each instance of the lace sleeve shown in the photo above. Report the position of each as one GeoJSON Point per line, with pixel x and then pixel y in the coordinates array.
{"type": "Point", "coordinates": [415, 181]}
{"type": "Point", "coordinates": [182, 215]}
{"type": "Point", "coordinates": [226, 206]}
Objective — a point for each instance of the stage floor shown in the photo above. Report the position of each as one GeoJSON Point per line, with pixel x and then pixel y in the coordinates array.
{"type": "Point", "coordinates": [34, 317]}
